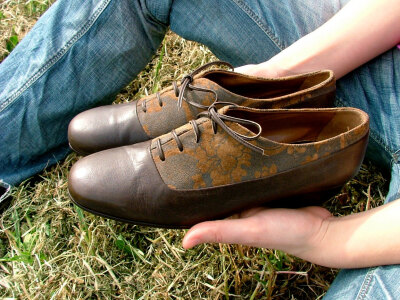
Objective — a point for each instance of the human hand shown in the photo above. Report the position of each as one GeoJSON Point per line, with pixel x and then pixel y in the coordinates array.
{"type": "Point", "coordinates": [296, 231]}
{"type": "Point", "coordinates": [265, 69]}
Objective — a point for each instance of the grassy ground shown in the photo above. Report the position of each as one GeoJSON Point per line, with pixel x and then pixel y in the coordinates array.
{"type": "Point", "coordinates": [50, 249]}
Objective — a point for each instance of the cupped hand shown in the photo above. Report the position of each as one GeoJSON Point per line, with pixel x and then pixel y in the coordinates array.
{"type": "Point", "coordinates": [296, 231]}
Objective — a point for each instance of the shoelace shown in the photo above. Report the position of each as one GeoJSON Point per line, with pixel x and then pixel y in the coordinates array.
{"type": "Point", "coordinates": [186, 84]}
{"type": "Point", "coordinates": [218, 119]}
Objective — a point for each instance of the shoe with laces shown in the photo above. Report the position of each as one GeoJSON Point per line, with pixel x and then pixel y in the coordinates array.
{"type": "Point", "coordinates": [125, 124]}
{"type": "Point", "coordinates": [226, 161]}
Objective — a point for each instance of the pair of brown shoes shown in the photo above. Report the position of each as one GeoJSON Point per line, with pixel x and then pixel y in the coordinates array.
{"type": "Point", "coordinates": [215, 144]}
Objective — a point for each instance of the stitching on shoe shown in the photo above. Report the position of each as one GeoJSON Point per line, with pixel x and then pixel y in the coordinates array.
{"type": "Point", "coordinates": [53, 60]}
{"type": "Point", "coordinates": [259, 23]}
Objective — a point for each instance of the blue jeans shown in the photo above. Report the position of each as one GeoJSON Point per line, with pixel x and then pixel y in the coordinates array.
{"type": "Point", "coordinates": [82, 52]}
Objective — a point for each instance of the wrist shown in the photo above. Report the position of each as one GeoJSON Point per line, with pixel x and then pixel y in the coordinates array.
{"type": "Point", "coordinates": [311, 53]}
{"type": "Point", "coordinates": [319, 248]}
{"type": "Point", "coordinates": [326, 248]}
{"type": "Point", "coordinates": [359, 240]}
{"type": "Point", "coordinates": [300, 57]}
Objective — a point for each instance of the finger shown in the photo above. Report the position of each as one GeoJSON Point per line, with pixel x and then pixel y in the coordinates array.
{"type": "Point", "coordinates": [229, 231]}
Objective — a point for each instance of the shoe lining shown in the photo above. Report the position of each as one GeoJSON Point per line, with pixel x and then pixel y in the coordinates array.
{"type": "Point", "coordinates": [261, 89]}
{"type": "Point", "coordinates": [301, 127]}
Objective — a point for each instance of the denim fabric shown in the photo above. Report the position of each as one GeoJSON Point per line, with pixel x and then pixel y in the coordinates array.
{"type": "Point", "coordinates": [81, 53]}
{"type": "Point", "coordinates": [78, 55]}
{"type": "Point", "coordinates": [362, 284]}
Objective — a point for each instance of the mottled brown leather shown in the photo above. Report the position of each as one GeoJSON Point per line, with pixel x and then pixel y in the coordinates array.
{"type": "Point", "coordinates": [124, 124]}
{"type": "Point", "coordinates": [125, 183]}
{"type": "Point", "coordinates": [289, 138]}
{"type": "Point", "coordinates": [316, 89]}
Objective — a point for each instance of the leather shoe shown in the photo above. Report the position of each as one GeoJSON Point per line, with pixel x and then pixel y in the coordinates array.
{"type": "Point", "coordinates": [227, 161]}
{"type": "Point", "coordinates": [125, 124]}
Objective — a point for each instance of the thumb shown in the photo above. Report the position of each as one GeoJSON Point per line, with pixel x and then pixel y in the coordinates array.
{"type": "Point", "coordinates": [228, 231]}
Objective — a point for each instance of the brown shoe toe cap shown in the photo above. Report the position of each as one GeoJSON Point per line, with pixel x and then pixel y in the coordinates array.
{"type": "Point", "coordinates": [101, 183]}
{"type": "Point", "coordinates": [105, 127]}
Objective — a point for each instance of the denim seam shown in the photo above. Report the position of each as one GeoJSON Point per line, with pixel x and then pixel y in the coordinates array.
{"type": "Point", "coordinates": [374, 136]}
{"type": "Point", "coordinates": [362, 294]}
{"type": "Point", "coordinates": [52, 61]}
{"type": "Point", "coordinates": [377, 139]}
{"type": "Point", "coordinates": [256, 19]}
{"type": "Point", "coordinates": [397, 195]}
{"type": "Point", "coordinates": [396, 157]}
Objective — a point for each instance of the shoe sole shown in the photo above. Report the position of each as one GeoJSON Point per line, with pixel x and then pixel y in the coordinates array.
{"type": "Point", "coordinates": [309, 198]}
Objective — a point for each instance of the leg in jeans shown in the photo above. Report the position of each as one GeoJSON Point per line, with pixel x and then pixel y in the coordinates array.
{"type": "Point", "coordinates": [251, 31]}
{"type": "Point", "coordinates": [78, 55]}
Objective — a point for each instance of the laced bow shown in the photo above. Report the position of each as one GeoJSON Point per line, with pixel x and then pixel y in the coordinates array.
{"type": "Point", "coordinates": [219, 119]}
{"type": "Point", "coordinates": [186, 84]}
{"type": "Point", "coordinates": [210, 112]}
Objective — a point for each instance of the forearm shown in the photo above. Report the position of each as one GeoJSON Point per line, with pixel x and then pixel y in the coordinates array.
{"type": "Point", "coordinates": [359, 32]}
{"type": "Point", "coordinates": [362, 30]}
{"type": "Point", "coordinates": [369, 238]}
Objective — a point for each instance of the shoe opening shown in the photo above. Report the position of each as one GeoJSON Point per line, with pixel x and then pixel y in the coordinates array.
{"type": "Point", "coordinates": [302, 126]}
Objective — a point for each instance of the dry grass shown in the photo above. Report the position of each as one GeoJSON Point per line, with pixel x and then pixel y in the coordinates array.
{"type": "Point", "coordinates": [50, 249]}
